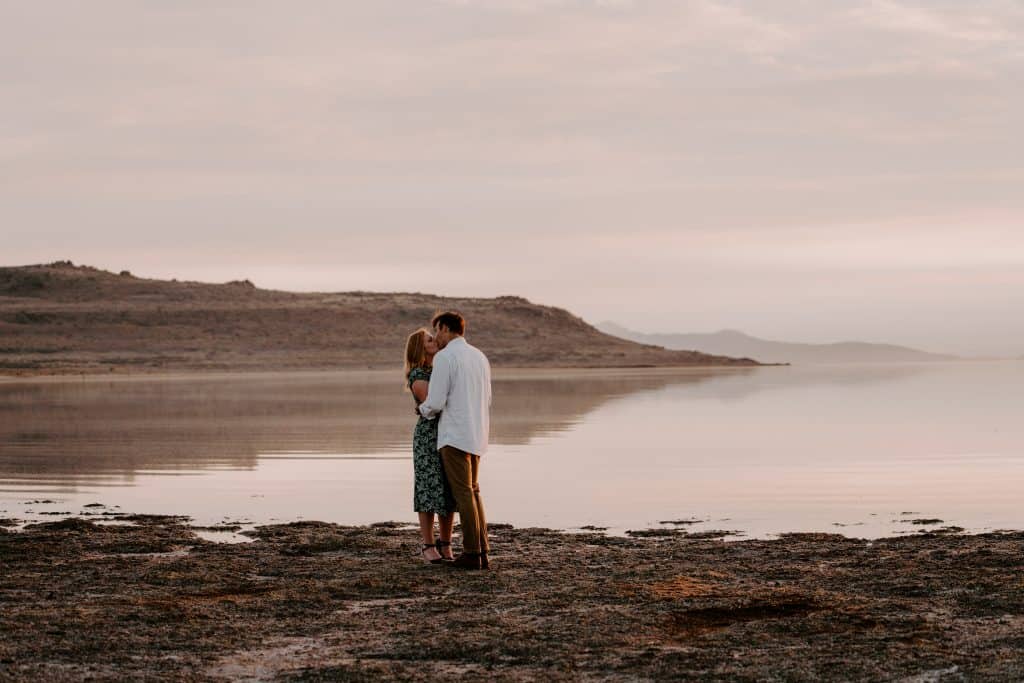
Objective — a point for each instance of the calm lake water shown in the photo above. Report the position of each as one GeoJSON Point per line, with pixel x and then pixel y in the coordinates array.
{"type": "Point", "coordinates": [857, 450]}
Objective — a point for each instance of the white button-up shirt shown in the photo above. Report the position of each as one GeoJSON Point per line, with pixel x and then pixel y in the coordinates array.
{"type": "Point", "coordinates": [460, 390]}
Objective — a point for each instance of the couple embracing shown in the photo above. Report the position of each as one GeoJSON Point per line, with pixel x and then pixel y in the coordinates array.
{"type": "Point", "coordinates": [451, 381]}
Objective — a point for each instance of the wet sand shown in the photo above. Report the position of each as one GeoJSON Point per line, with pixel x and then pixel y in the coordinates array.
{"type": "Point", "coordinates": [316, 601]}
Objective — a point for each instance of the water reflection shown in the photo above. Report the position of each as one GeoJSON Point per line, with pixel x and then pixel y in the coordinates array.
{"type": "Point", "coordinates": [760, 450]}
{"type": "Point", "coordinates": [57, 434]}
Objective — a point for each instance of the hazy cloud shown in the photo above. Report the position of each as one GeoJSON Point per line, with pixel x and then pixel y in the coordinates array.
{"type": "Point", "coordinates": [796, 169]}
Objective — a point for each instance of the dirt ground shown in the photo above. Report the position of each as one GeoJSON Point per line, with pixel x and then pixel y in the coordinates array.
{"type": "Point", "coordinates": [315, 601]}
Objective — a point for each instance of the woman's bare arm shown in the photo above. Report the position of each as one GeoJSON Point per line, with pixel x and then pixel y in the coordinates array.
{"type": "Point", "coordinates": [419, 390]}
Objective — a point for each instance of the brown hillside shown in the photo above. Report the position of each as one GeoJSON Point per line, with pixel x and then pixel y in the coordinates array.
{"type": "Point", "coordinates": [64, 318]}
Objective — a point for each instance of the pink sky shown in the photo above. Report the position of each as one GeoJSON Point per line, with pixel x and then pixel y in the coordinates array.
{"type": "Point", "coordinates": [803, 171]}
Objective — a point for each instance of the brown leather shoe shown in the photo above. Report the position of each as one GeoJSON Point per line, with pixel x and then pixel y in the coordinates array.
{"type": "Point", "coordinates": [466, 561]}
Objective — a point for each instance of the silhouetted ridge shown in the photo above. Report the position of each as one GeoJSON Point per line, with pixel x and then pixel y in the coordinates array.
{"type": "Point", "coordinates": [62, 318]}
{"type": "Point", "coordinates": [730, 342]}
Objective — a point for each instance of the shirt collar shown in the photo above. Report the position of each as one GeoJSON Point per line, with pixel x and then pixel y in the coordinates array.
{"type": "Point", "coordinates": [457, 340]}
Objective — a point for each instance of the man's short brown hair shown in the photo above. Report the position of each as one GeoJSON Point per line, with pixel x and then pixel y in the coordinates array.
{"type": "Point", "coordinates": [450, 319]}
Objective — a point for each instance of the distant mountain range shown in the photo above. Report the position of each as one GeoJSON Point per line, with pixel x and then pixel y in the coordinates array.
{"type": "Point", "coordinates": [736, 343]}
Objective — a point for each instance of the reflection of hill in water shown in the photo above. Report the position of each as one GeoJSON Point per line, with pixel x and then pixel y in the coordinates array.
{"type": "Point", "coordinates": [71, 432]}
{"type": "Point", "coordinates": [62, 434]}
{"type": "Point", "coordinates": [528, 407]}
{"type": "Point", "coordinates": [735, 386]}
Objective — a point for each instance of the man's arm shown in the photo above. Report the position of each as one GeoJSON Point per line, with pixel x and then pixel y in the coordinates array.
{"type": "Point", "coordinates": [487, 367]}
{"type": "Point", "coordinates": [437, 394]}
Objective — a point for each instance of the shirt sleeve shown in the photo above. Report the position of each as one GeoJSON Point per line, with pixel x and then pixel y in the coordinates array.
{"type": "Point", "coordinates": [437, 393]}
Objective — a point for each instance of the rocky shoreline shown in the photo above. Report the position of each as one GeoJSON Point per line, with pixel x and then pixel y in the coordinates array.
{"type": "Point", "coordinates": [147, 598]}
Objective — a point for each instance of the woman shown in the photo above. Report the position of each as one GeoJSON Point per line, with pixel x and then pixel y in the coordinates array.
{"type": "Point", "coordinates": [431, 494]}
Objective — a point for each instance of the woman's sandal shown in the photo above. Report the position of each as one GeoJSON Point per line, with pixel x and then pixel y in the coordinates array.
{"type": "Point", "coordinates": [423, 553]}
{"type": "Point", "coordinates": [438, 544]}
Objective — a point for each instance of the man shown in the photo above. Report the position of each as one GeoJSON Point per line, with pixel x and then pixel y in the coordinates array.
{"type": "Point", "coordinates": [460, 390]}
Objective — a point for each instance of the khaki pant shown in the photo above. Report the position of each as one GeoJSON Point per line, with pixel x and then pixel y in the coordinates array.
{"type": "Point", "coordinates": [462, 470]}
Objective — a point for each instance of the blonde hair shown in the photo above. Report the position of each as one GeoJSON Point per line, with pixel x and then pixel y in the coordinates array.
{"type": "Point", "coordinates": [416, 350]}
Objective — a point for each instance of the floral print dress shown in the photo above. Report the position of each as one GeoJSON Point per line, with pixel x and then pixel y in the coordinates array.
{"type": "Point", "coordinates": [431, 492]}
